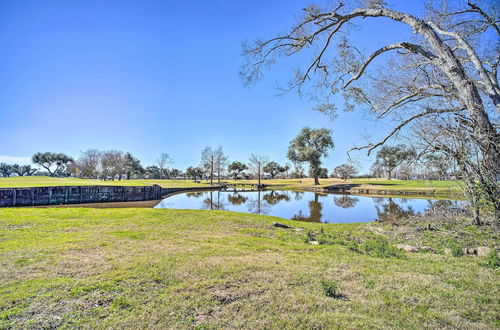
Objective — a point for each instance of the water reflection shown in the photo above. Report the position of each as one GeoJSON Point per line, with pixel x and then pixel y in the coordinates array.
{"type": "Point", "coordinates": [345, 201]}
{"type": "Point", "coordinates": [306, 206]}
{"type": "Point", "coordinates": [298, 195]}
{"type": "Point", "coordinates": [274, 197]}
{"type": "Point", "coordinates": [194, 194]}
{"type": "Point", "coordinates": [213, 201]}
{"type": "Point", "coordinates": [258, 205]}
{"type": "Point", "coordinates": [390, 211]}
{"type": "Point", "coordinates": [237, 198]}
{"type": "Point", "coordinates": [315, 208]}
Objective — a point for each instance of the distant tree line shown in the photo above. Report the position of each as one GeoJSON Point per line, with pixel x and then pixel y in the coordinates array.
{"type": "Point", "coordinates": [309, 147]}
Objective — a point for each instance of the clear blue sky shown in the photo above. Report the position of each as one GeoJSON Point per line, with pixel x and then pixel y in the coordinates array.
{"type": "Point", "coordinates": [155, 76]}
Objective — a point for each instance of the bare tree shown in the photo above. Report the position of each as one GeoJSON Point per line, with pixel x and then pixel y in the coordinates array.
{"type": "Point", "coordinates": [163, 163]}
{"type": "Point", "coordinates": [89, 163]}
{"type": "Point", "coordinates": [209, 160]}
{"type": "Point", "coordinates": [112, 164]}
{"type": "Point", "coordinates": [220, 163]}
{"type": "Point", "coordinates": [447, 69]}
{"type": "Point", "coordinates": [257, 164]}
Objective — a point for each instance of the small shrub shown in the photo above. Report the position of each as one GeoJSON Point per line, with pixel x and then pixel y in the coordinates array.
{"type": "Point", "coordinates": [353, 246]}
{"type": "Point", "coordinates": [381, 248]}
{"type": "Point", "coordinates": [492, 260]}
{"type": "Point", "coordinates": [311, 236]}
{"type": "Point", "coordinates": [456, 250]}
{"type": "Point", "coordinates": [330, 289]}
{"type": "Point", "coordinates": [122, 303]}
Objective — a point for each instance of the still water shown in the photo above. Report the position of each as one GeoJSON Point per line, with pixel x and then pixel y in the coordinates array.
{"type": "Point", "coordinates": [304, 206]}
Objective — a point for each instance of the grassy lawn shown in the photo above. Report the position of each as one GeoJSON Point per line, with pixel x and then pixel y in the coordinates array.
{"type": "Point", "coordinates": [434, 186]}
{"type": "Point", "coordinates": [431, 186]}
{"type": "Point", "coordinates": [159, 268]}
{"type": "Point", "coordinates": [44, 181]}
{"type": "Point", "coordinates": [408, 184]}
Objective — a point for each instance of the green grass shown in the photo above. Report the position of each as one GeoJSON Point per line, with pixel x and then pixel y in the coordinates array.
{"type": "Point", "coordinates": [374, 183]}
{"type": "Point", "coordinates": [45, 181]}
{"type": "Point", "coordinates": [440, 189]}
{"type": "Point", "coordinates": [159, 268]}
{"type": "Point", "coordinates": [409, 184]}
{"type": "Point", "coordinates": [445, 189]}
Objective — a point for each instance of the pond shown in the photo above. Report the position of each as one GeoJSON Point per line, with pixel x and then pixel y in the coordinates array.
{"type": "Point", "coordinates": [304, 206]}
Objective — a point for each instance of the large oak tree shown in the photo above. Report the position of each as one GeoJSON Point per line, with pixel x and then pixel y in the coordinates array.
{"type": "Point", "coordinates": [443, 73]}
{"type": "Point", "coordinates": [310, 146]}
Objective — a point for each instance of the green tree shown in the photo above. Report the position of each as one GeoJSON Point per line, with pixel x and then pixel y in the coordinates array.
{"type": "Point", "coordinates": [310, 146]}
{"type": "Point", "coordinates": [6, 169]}
{"type": "Point", "coordinates": [152, 172]}
{"type": "Point", "coordinates": [345, 171]}
{"type": "Point", "coordinates": [174, 173]}
{"type": "Point", "coordinates": [53, 162]}
{"type": "Point", "coordinates": [391, 157]}
{"type": "Point", "coordinates": [23, 170]}
{"type": "Point", "coordinates": [132, 166]}
{"type": "Point", "coordinates": [235, 168]}
{"type": "Point", "coordinates": [194, 172]}
{"type": "Point", "coordinates": [273, 169]}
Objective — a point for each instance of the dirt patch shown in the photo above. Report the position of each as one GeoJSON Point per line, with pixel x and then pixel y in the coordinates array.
{"type": "Point", "coordinates": [83, 263]}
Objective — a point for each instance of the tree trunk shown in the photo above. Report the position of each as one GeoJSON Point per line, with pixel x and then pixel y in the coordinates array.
{"type": "Point", "coordinates": [211, 175]}
{"type": "Point", "coordinates": [316, 179]}
{"type": "Point", "coordinates": [476, 218]}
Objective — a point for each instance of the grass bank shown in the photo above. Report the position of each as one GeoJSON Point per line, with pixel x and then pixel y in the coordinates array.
{"type": "Point", "coordinates": [46, 181]}
{"type": "Point", "coordinates": [380, 187]}
{"type": "Point", "coordinates": [445, 188]}
{"type": "Point", "coordinates": [143, 268]}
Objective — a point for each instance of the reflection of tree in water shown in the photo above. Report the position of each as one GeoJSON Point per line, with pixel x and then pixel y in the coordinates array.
{"type": "Point", "coordinates": [315, 211]}
{"type": "Point", "coordinates": [275, 197]}
{"type": "Point", "coordinates": [213, 202]}
{"type": "Point", "coordinates": [195, 194]}
{"type": "Point", "coordinates": [390, 211]}
{"type": "Point", "coordinates": [345, 201]}
{"type": "Point", "coordinates": [258, 205]}
{"type": "Point", "coordinates": [298, 195]}
{"type": "Point", "coordinates": [163, 204]}
{"type": "Point", "coordinates": [441, 204]}
{"type": "Point", "coordinates": [236, 198]}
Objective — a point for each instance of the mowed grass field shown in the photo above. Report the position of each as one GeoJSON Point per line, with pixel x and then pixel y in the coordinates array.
{"type": "Point", "coordinates": [382, 184]}
{"type": "Point", "coordinates": [438, 187]}
{"type": "Point", "coordinates": [46, 181]}
{"type": "Point", "coordinates": [192, 269]}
